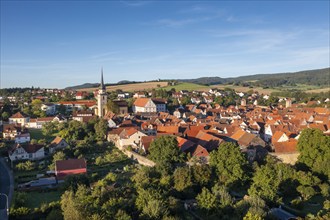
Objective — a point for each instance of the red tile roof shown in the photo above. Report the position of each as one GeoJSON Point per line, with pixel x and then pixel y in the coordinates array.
{"type": "Point", "coordinates": [168, 129]}
{"type": "Point", "coordinates": [277, 136]}
{"type": "Point", "coordinates": [146, 141]}
{"type": "Point", "coordinates": [141, 102]}
{"type": "Point", "coordinates": [18, 115]}
{"type": "Point", "coordinates": [71, 164]}
{"type": "Point", "coordinates": [286, 147]}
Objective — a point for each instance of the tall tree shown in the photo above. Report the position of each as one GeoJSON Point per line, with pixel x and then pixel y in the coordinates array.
{"type": "Point", "coordinates": [165, 152]}
{"type": "Point", "coordinates": [182, 178]}
{"type": "Point", "coordinates": [112, 106]}
{"type": "Point", "coordinates": [230, 164]}
{"type": "Point", "coordinates": [101, 129]}
{"type": "Point", "coordinates": [315, 151]}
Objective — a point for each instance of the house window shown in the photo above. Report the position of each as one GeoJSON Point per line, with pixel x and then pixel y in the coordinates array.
{"type": "Point", "coordinates": [30, 155]}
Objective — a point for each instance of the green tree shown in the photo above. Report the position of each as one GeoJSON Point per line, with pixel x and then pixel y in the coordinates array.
{"type": "Point", "coordinates": [50, 128]}
{"type": "Point", "coordinates": [206, 200]}
{"type": "Point", "coordinates": [306, 191]}
{"type": "Point", "coordinates": [101, 129]}
{"type": "Point", "coordinates": [151, 203]}
{"type": "Point", "coordinates": [112, 106]}
{"type": "Point", "coordinates": [57, 156]}
{"type": "Point", "coordinates": [182, 178]}
{"type": "Point", "coordinates": [250, 216]}
{"type": "Point", "coordinates": [75, 130]}
{"type": "Point", "coordinates": [315, 151]}
{"type": "Point", "coordinates": [202, 174]}
{"type": "Point", "coordinates": [266, 181]}
{"type": "Point", "coordinates": [26, 166]}
{"type": "Point", "coordinates": [122, 215]}
{"type": "Point", "coordinates": [165, 152]}
{"type": "Point", "coordinates": [69, 207]}
{"type": "Point", "coordinates": [224, 199]}
{"type": "Point", "coordinates": [230, 164]}
{"type": "Point", "coordinates": [5, 116]}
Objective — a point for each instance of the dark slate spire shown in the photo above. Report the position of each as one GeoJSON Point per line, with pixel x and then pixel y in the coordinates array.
{"type": "Point", "coordinates": [102, 83]}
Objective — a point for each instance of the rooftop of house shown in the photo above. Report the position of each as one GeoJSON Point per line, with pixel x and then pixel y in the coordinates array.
{"type": "Point", "coordinates": [141, 102]}
{"type": "Point", "coordinates": [18, 115]}
{"type": "Point", "coordinates": [71, 164]}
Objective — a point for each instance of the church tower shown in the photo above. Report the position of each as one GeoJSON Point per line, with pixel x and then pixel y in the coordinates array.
{"type": "Point", "coordinates": [102, 99]}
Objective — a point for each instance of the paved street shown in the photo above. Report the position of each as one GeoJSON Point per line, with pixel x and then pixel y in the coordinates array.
{"type": "Point", "coordinates": [5, 187]}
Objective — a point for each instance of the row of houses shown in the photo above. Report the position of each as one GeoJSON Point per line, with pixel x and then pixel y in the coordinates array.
{"type": "Point", "coordinates": [257, 130]}
{"type": "Point", "coordinates": [29, 151]}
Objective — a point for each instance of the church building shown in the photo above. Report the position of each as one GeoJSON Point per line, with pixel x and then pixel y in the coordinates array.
{"type": "Point", "coordinates": [102, 99]}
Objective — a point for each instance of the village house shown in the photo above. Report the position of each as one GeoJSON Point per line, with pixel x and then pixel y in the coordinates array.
{"type": "Point", "coordinates": [39, 122]}
{"type": "Point", "coordinates": [26, 152]}
{"type": "Point", "coordinates": [10, 131]}
{"type": "Point", "coordinates": [245, 139]}
{"type": "Point", "coordinates": [78, 105]}
{"type": "Point", "coordinates": [49, 108]}
{"type": "Point", "coordinates": [139, 95]}
{"type": "Point", "coordinates": [82, 116]}
{"type": "Point", "coordinates": [126, 136]}
{"type": "Point", "coordinates": [81, 95]}
{"type": "Point", "coordinates": [144, 105]}
{"type": "Point", "coordinates": [19, 118]}
{"type": "Point", "coordinates": [57, 144]}
{"type": "Point", "coordinates": [22, 138]}
{"type": "Point", "coordinates": [122, 106]}
{"type": "Point", "coordinates": [160, 104]}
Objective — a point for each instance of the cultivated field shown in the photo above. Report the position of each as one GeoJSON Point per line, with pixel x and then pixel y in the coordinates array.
{"type": "Point", "coordinates": [318, 90]}
{"type": "Point", "coordinates": [132, 87]}
{"type": "Point", "coordinates": [192, 86]}
{"type": "Point", "coordinates": [245, 89]}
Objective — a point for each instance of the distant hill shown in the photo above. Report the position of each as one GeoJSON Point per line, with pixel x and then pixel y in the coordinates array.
{"type": "Point", "coordinates": [206, 80]}
{"type": "Point", "coordinates": [96, 85]}
{"type": "Point", "coordinates": [319, 77]}
{"type": "Point", "coordinates": [83, 86]}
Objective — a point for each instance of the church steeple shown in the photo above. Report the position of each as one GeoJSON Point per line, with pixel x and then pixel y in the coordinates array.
{"type": "Point", "coordinates": [102, 98]}
{"type": "Point", "coordinates": [102, 82]}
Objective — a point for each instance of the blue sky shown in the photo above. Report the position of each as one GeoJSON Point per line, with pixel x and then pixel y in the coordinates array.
{"type": "Point", "coordinates": [63, 43]}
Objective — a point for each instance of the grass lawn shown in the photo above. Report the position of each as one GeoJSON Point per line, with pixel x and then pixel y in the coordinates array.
{"type": "Point", "coordinates": [37, 134]}
{"type": "Point", "coordinates": [36, 199]}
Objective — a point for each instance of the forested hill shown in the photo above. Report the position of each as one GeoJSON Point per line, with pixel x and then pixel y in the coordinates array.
{"type": "Point", "coordinates": [319, 77]}
{"type": "Point", "coordinates": [309, 77]}
{"type": "Point", "coordinates": [84, 86]}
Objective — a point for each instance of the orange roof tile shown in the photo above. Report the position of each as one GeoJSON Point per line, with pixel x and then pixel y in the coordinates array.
{"type": "Point", "coordinates": [286, 146]}
{"type": "Point", "coordinates": [238, 134]}
{"type": "Point", "coordinates": [200, 152]}
{"type": "Point", "coordinates": [168, 129]}
{"type": "Point", "coordinates": [18, 115]}
{"type": "Point", "coordinates": [141, 102]}
{"type": "Point", "coordinates": [277, 136]}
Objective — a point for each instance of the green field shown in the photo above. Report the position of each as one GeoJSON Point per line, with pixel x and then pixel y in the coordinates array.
{"type": "Point", "coordinates": [37, 135]}
{"type": "Point", "coordinates": [36, 199]}
{"type": "Point", "coordinates": [245, 89]}
{"type": "Point", "coordinates": [302, 87]}
{"type": "Point", "coordinates": [187, 86]}
{"type": "Point", "coordinates": [193, 86]}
